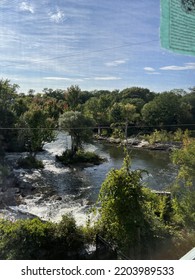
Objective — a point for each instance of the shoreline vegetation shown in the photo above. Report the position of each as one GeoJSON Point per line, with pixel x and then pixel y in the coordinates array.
{"type": "Point", "coordinates": [157, 140]}
{"type": "Point", "coordinates": [81, 158]}
{"type": "Point", "coordinates": [140, 143]}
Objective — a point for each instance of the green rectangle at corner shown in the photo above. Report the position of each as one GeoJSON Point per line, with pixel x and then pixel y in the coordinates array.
{"type": "Point", "coordinates": [177, 29]}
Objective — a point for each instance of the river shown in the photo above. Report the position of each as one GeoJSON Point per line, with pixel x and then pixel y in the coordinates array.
{"type": "Point", "coordinates": [60, 190]}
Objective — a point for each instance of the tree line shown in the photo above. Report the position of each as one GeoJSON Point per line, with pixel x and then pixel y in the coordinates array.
{"type": "Point", "coordinates": [29, 120]}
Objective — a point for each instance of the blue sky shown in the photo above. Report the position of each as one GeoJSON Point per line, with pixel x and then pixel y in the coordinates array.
{"type": "Point", "coordinates": [96, 44]}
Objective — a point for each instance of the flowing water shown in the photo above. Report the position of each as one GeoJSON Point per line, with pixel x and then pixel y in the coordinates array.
{"type": "Point", "coordinates": [60, 190]}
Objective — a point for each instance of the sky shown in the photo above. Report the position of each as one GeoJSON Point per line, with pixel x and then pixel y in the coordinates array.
{"type": "Point", "coordinates": [96, 44]}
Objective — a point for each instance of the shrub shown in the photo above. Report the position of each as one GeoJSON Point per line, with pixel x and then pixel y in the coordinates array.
{"type": "Point", "coordinates": [164, 136]}
{"type": "Point", "coordinates": [80, 157]}
{"type": "Point", "coordinates": [33, 239]}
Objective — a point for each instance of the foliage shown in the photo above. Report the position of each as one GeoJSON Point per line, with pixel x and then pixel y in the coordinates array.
{"type": "Point", "coordinates": [184, 208]}
{"type": "Point", "coordinates": [106, 108]}
{"type": "Point", "coordinates": [166, 109]}
{"type": "Point", "coordinates": [185, 159]}
{"type": "Point", "coordinates": [57, 94]}
{"type": "Point", "coordinates": [164, 136]}
{"type": "Point", "coordinates": [116, 113]}
{"type": "Point", "coordinates": [79, 127]}
{"type": "Point", "coordinates": [81, 157]}
{"type": "Point", "coordinates": [183, 189]}
{"type": "Point", "coordinates": [190, 99]}
{"type": "Point", "coordinates": [68, 240]}
{"type": "Point", "coordinates": [118, 130]}
{"type": "Point", "coordinates": [97, 108]}
{"type": "Point", "coordinates": [121, 115]}
{"type": "Point", "coordinates": [137, 92]}
{"type": "Point", "coordinates": [161, 136]}
{"type": "Point", "coordinates": [128, 211]}
{"type": "Point", "coordinates": [34, 239]}
{"type": "Point", "coordinates": [37, 128]}
{"type": "Point", "coordinates": [8, 118]}
{"type": "Point", "coordinates": [72, 96]}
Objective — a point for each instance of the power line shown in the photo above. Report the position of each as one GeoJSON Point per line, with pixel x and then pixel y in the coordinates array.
{"type": "Point", "coordinates": [95, 127]}
{"type": "Point", "coordinates": [83, 53]}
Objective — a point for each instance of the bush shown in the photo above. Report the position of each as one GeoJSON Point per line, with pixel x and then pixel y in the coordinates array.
{"type": "Point", "coordinates": [80, 157]}
{"type": "Point", "coordinates": [164, 136]}
{"type": "Point", "coordinates": [131, 214]}
{"type": "Point", "coordinates": [24, 239]}
{"type": "Point", "coordinates": [34, 239]}
{"type": "Point", "coordinates": [30, 162]}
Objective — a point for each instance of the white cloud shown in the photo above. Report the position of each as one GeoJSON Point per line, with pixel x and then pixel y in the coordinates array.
{"type": "Point", "coordinates": [106, 78]}
{"type": "Point", "coordinates": [187, 66]}
{"type": "Point", "coordinates": [115, 63]}
{"type": "Point", "coordinates": [150, 69]}
{"type": "Point", "coordinates": [153, 73]}
{"type": "Point", "coordinates": [27, 7]}
{"type": "Point", "coordinates": [57, 17]}
{"type": "Point", "coordinates": [62, 79]}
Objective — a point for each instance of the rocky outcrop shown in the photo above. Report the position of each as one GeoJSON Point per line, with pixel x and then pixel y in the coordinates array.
{"type": "Point", "coordinates": [9, 191]}
{"type": "Point", "coordinates": [138, 143]}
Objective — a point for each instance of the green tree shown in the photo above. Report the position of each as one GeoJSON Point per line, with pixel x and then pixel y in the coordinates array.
{"type": "Point", "coordinates": [57, 94]}
{"type": "Point", "coordinates": [129, 112]}
{"type": "Point", "coordinates": [79, 127]}
{"type": "Point", "coordinates": [116, 113]}
{"type": "Point", "coordinates": [91, 109]}
{"type": "Point", "coordinates": [166, 109]}
{"type": "Point", "coordinates": [137, 92]}
{"type": "Point", "coordinates": [127, 211]}
{"type": "Point", "coordinates": [19, 106]}
{"type": "Point", "coordinates": [137, 102]}
{"type": "Point", "coordinates": [36, 128]}
{"type": "Point", "coordinates": [184, 158]}
{"type": "Point", "coordinates": [123, 115]}
{"type": "Point", "coordinates": [190, 99]}
{"type": "Point", "coordinates": [97, 108]}
{"type": "Point", "coordinates": [183, 188]}
{"type": "Point", "coordinates": [33, 239]}
{"type": "Point", "coordinates": [8, 118]}
{"type": "Point", "coordinates": [72, 96]}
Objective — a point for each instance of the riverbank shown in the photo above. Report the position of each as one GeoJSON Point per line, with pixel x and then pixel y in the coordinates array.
{"type": "Point", "coordinates": [140, 143]}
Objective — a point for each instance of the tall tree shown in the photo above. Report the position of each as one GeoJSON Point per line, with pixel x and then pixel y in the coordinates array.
{"type": "Point", "coordinates": [137, 92]}
{"type": "Point", "coordinates": [123, 115]}
{"type": "Point", "coordinates": [36, 128]}
{"type": "Point", "coordinates": [72, 96]}
{"type": "Point", "coordinates": [127, 211]}
{"type": "Point", "coordinates": [166, 109]}
{"type": "Point", "coordinates": [8, 119]}
{"type": "Point", "coordinates": [98, 108]}
{"type": "Point", "coordinates": [79, 127]}
{"type": "Point", "coordinates": [183, 189]}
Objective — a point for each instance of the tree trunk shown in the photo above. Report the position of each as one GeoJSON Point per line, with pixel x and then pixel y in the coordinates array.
{"type": "Point", "coordinates": [126, 130]}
